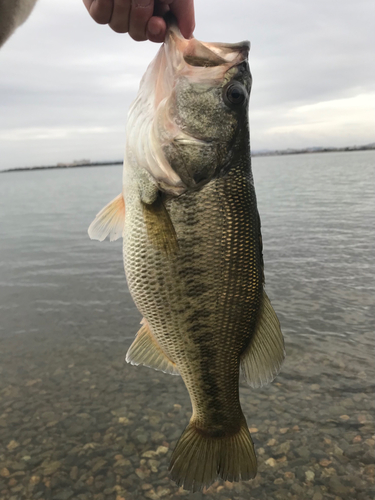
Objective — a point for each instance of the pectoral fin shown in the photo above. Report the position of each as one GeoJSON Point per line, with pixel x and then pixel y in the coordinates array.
{"type": "Point", "coordinates": [109, 221]}
{"type": "Point", "coordinates": [160, 230]}
{"type": "Point", "coordinates": [262, 359]}
{"type": "Point", "coordinates": [145, 350]}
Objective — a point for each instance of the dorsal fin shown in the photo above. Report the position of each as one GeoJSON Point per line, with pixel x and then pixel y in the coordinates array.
{"type": "Point", "coordinates": [109, 221]}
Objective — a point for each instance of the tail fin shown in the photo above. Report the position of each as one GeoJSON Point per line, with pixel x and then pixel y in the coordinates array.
{"type": "Point", "coordinates": [199, 459]}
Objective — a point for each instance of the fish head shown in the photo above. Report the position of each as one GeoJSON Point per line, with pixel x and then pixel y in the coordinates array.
{"type": "Point", "coordinates": [191, 112]}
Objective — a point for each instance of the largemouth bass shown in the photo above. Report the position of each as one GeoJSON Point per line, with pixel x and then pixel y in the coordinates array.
{"type": "Point", "coordinates": [193, 249]}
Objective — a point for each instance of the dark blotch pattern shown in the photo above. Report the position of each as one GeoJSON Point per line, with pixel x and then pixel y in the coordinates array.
{"type": "Point", "coordinates": [202, 303]}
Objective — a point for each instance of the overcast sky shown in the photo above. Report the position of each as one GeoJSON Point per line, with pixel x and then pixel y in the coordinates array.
{"type": "Point", "coordinates": [66, 83]}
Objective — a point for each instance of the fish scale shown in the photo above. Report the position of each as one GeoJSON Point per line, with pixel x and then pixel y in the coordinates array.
{"type": "Point", "coordinates": [207, 304]}
{"type": "Point", "coordinates": [193, 248]}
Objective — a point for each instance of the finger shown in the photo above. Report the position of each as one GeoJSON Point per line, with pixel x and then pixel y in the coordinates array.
{"type": "Point", "coordinates": [141, 12]}
{"type": "Point", "coordinates": [100, 10]}
{"type": "Point", "coordinates": [161, 7]}
{"type": "Point", "coordinates": [156, 29]}
{"type": "Point", "coordinates": [120, 16]}
{"type": "Point", "coordinates": [184, 12]}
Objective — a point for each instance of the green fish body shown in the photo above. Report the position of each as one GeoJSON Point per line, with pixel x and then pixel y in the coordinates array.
{"type": "Point", "coordinates": [193, 249]}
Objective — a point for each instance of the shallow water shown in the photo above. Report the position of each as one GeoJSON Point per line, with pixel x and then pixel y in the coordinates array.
{"type": "Point", "coordinates": [77, 422]}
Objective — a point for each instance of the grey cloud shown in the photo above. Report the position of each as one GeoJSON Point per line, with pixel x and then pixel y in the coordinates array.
{"type": "Point", "coordinates": [63, 71]}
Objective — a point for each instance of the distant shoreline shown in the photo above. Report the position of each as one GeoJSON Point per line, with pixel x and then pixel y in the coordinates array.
{"type": "Point", "coordinates": [53, 167]}
{"type": "Point", "coordinates": [283, 152]}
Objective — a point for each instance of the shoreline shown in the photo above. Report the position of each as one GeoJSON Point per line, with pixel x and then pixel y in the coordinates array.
{"type": "Point", "coordinates": [284, 152]}
{"type": "Point", "coordinates": [53, 167]}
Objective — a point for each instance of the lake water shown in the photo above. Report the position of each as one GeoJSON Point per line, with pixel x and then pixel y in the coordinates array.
{"type": "Point", "coordinates": [77, 422]}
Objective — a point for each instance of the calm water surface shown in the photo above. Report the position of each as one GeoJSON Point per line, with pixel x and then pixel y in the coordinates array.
{"type": "Point", "coordinates": [77, 422]}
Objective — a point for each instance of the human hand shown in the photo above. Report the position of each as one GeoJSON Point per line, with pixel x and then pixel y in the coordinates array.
{"type": "Point", "coordinates": [142, 19]}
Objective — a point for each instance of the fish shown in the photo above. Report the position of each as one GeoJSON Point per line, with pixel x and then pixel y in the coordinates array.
{"type": "Point", "coordinates": [192, 248]}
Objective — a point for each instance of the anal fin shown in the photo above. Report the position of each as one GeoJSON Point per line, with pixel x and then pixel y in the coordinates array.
{"type": "Point", "coordinates": [145, 350]}
{"type": "Point", "coordinates": [263, 357]}
{"type": "Point", "coordinates": [109, 221]}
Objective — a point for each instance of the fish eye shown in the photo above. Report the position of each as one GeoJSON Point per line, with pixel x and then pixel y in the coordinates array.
{"type": "Point", "coordinates": [235, 93]}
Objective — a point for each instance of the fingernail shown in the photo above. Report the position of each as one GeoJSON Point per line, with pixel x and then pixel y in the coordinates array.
{"type": "Point", "coordinates": [142, 3]}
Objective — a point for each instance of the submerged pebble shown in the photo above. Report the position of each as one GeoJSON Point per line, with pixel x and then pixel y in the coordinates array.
{"type": "Point", "coordinates": [124, 447]}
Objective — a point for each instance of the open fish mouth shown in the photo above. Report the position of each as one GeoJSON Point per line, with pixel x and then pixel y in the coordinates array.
{"type": "Point", "coordinates": [209, 55]}
{"type": "Point", "coordinates": [154, 125]}
{"type": "Point", "coordinates": [196, 60]}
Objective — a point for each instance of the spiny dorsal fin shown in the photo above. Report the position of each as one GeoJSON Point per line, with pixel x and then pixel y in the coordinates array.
{"type": "Point", "coordinates": [109, 221]}
{"type": "Point", "coordinates": [145, 350]}
{"type": "Point", "coordinates": [261, 361]}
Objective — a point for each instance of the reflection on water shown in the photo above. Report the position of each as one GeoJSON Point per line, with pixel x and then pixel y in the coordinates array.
{"type": "Point", "coordinates": [77, 422]}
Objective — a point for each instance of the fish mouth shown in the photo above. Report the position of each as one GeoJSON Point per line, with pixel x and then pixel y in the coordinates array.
{"type": "Point", "coordinates": [204, 54]}
{"type": "Point", "coordinates": [203, 60]}
{"type": "Point", "coordinates": [210, 55]}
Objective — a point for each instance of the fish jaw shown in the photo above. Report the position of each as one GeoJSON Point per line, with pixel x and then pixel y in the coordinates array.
{"type": "Point", "coordinates": [159, 137]}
